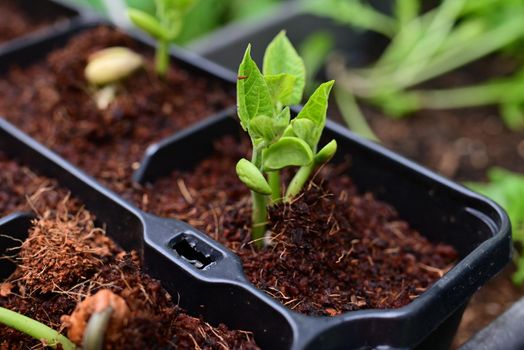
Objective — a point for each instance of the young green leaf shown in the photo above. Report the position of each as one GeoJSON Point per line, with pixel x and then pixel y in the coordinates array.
{"type": "Point", "coordinates": [281, 57]}
{"type": "Point", "coordinates": [281, 87]}
{"type": "Point", "coordinates": [148, 24]}
{"type": "Point", "coordinates": [165, 27]}
{"type": "Point", "coordinates": [263, 127]}
{"type": "Point", "coordinates": [249, 174]}
{"type": "Point", "coordinates": [513, 115]}
{"type": "Point", "coordinates": [180, 6]}
{"type": "Point", "coordinates": [316, 107]}
{"type": "Point", "coordinates": [289, 132]}
{"type": "Point", "coordinates": [269, 129]}
{"type": "Point", "coordinates": [326, 153]}
{"type": "Point", "coordinates": [507, 189]}
{"type": "Point", "coordinates": [287, 151]}
{"type": "Point", "coordinates": [282, 119]}
{"type": "Point", "coordinates": [171, 13]}
{"type": "Point", "coordinates": [306, 130]}
{"type": "Point", "coordinates": [147, 6]}
{"type": "Point", "coordinates": [253, 96]}
{"type": "Point", "coordinates": [315, 110]}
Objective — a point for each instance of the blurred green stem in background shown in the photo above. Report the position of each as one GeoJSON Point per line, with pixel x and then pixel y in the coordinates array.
{"type": "Point", "coordinates": [424, 46]}
{"type": "Point", "coordinates": [352, 115]}
{"type": "Point", "coordinates": [507, 189]}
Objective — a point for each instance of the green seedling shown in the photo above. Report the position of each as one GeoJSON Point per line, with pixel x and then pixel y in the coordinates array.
{"type": "Point", "coordinates": [164, 27]}
{"type": "Point", "coordinates": [263, 100]}
{"type": "Point", "coordinates": [426, 45]}
{"type": "Point", "coordinates": [204, 17]}
{"type": "Point", "coordinates": [507, 189]}
{"type": "Point", "coordinates": [508, 93]}
{"type": "Point", "coordinates": [93, 338]}
{"type": "Point", "coordinates": [356, 13]}
{"type": "Point", "coordinates": [35, 329]}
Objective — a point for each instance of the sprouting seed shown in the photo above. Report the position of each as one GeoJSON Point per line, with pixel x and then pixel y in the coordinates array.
{"type": "Point", "coordinates": [111, 65]}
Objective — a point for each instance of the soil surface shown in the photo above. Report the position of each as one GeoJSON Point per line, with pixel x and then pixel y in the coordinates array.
{"type": "Point", "coordinates": [79, 260]}
{"type": "Point", "coordinates": [461, 144]}
{"type": "Point", "coordinates": [328, 254]}
{"type": "Point", "coordinates": [19, 188]}
{"type": "Point", "coordinates": [52, 102]}
{"type": "Point", "coordinates": [19, 18]}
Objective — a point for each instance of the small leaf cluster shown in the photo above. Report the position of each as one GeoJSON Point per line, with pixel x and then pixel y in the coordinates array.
{"type": "Point", "coordinates": [507, 189]}
{"type": "Point", "coordinates": [263, 108]}
{"type": "Point", "coordinates": [263, 101]}
{"type": "Point", "coordinates": [164, 27]}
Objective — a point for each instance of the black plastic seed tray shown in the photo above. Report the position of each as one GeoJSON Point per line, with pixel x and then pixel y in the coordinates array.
{"type": "Point", "coordinates": [65, 15]}
{"type": "Point", "coordinates": [208, 278]}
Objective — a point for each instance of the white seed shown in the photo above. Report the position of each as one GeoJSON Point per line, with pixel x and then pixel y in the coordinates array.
{"type": "Point", "coordinates": [111, 65]}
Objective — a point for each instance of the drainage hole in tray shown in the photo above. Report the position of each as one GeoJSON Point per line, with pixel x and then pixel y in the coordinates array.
{"type": "Point", "coordinates": [188, 251]}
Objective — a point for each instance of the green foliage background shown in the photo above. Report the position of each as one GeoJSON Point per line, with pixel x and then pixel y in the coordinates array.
{"type": "Point", "coordinates": [204, 17]}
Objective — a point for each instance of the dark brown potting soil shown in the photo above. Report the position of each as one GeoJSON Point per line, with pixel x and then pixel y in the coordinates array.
{"type": "Point", "coordinates": [66, 259]}
{"type": "Point", "coordinates": [332, 249]}
{"type": "Point", "coordinates": [461, 144]}
{"type": "Point", "coordinates": [19, 188]}
{"type": "Point", "coordinates": [52, 102]}
{"type": "Point", "coordinates": [19, 18]}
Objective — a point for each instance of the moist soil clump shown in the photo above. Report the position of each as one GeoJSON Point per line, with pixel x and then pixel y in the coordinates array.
{"type": "Point", "coordinates": [328, 253]}
{"type": "Point", "coordinates": [19, 18]}
{"type": "Point", "coordinates": [79, 260]}
{"type": "Point", "coordinates": [51, 101]}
